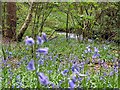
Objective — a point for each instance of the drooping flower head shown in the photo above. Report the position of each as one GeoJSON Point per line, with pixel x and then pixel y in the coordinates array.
{"type": "Point", "coordinates": [44, 37]}
{"type": "Point", "coordinates": [43, 50]}
{"type": "Point", "coordinates": [31, 66]}
{"type": "Point", "coordinates": [74, 67]}
{"type": "Point", "coordinates": [71, 84]}
{"type": "Point", "coordinates": [43, 79]}
{"type": "Point", "coordinates": [29, 41]}
{"type": "Point", "coordinates": [39, 40]}
{"type": "Point", "coordinates": [111, 73]}
{"type": "Point", "coordinates": [65, 72]}
{"type": "Point", "coordinates": [41, 62]}
{"type": "Point", "coordinates": [4, 61]}
{"type": "Point", "coordinates": [96, 50]}
{"type": "Point", "coordinates": [95, 55]}
{"type": "Point", "coordinates": [74, 79]}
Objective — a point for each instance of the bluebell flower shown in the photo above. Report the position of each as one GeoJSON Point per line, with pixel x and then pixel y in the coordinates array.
{"type": "Point", "coordinates": [31, 66]}
{"type": "Point", "coordinates": [105, 65]}
{"type": "Point", "coordinates": [75, 68]}
{"type": "Point", "coordinates": [50, 57]}
{"type": "Point", "coordinates": [50, 71]}
{"type": "Point", "coordinates": [43, 79]}
{"type": "Point", "coordinates": [18, 77]}
{"type": "Point", "coordinates": [18, 64]}
{"type": "Point", "coordinates": [105, 74]}
{"type": "Point", "coordinates": [96, 50]}
{"type": "Point", "coordinates": [10, 53]}
{"type": "Point", "coordinates": [13, 86]}
{"type": "Point", "coordinates": [44, 37]}
{"type": "Point", "coordinates": [88, 78]}
{"type": "Point", "coordinates": [88, 49]}
{"type": "Point", "coordinates": [4, 62]}
{"type": "Point", "coordinates": [80, 79]}
{"type": "Point", "coordinates": [79, 74]}
{"type": "Point", "coordinates": [43, 50]}
{"type": "Point", "coordinates": [87, 61]}
{"type": "Point", "coordinates": [10, 73]}
{"type": "Point", "coordinates": [115, 70]}
{"type": "Point", "coordinates": [75, 71]}
{"type": "Point", "coordinates": [39, 40]}
{"type": "Point", "coordinates": [111, 73]}
{"type": "Point", "coordinates": [82, 63]}
{"type": "Point", "coordinates": [115, 65]}
{"type": "Point", "coordinates": [41, 62]}
{"type": "Point", "coordinates": [95, 55]}
{"type": "Point", "coordinates": [101, 78]}
{"type": "Point", "coordinates": [71, 84]}
{"type": "Point", "coordinates": [74, 79]}
{"type": "Point", "coordinates": [64, 72]}
{"type": "Point", "coordinates": [102, 61]}
{"type": "Point", "coordinates": [29, 41]}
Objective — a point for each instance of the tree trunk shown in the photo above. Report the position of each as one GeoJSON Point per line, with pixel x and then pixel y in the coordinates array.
{"type": "Point", "coordinates": [67, 31]}
{"type": "Point", "coordinates": [0, 17]}
{"type": "Point", "coordinates": [11, 20]}
{"type": "Point", "coordinates": [3, 18]}
{"type": "Point", "coordinates": [26, 23]}
{"type": "Point", "coordinates": [0, 22]}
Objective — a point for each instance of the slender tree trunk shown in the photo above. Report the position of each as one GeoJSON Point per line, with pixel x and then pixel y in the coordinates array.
{"type": "Point", "coordinates": [44, 18]}
{"type": "Point", "coordinates": [11, 20]}
{"type": "Point", "coordinates": [67, 25]}
{"type": "Point", "coordinates": [0, 22]}
{"type": "Point", "coordinates": [26, 23]}
{"type": "Point", "coordinates": [3, 18]}
{"type": "Point", "coordinates": [0, 16]}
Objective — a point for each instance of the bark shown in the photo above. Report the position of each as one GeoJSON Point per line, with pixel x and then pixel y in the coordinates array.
{"type": "Point", "coordinates": [26, 23]}
{"type": "Point", "coordinates": [0, 16]}
{"type": "Point", "coordinates": [11, 20]}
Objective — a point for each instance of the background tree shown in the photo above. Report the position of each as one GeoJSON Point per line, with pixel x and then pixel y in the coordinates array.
{"type": "Point", "coordinates": [0, 17]}
{"type": "Point", "coordinates": [11, 20]}
{"type": "Point", "coordinates": [86, 19]}
{"type": "Point", "coordinates": [26, 23]}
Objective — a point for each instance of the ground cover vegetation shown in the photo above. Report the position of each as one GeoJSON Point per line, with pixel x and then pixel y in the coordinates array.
{"type": "Point", "coordinates": [35, 54]}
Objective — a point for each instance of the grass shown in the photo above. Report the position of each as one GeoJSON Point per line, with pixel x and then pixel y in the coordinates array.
{"type": "Point", "coordinates": [62, 56]}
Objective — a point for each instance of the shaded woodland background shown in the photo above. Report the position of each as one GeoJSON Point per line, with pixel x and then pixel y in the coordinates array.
{"type": "Point", "coordinates": [93, 20]}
